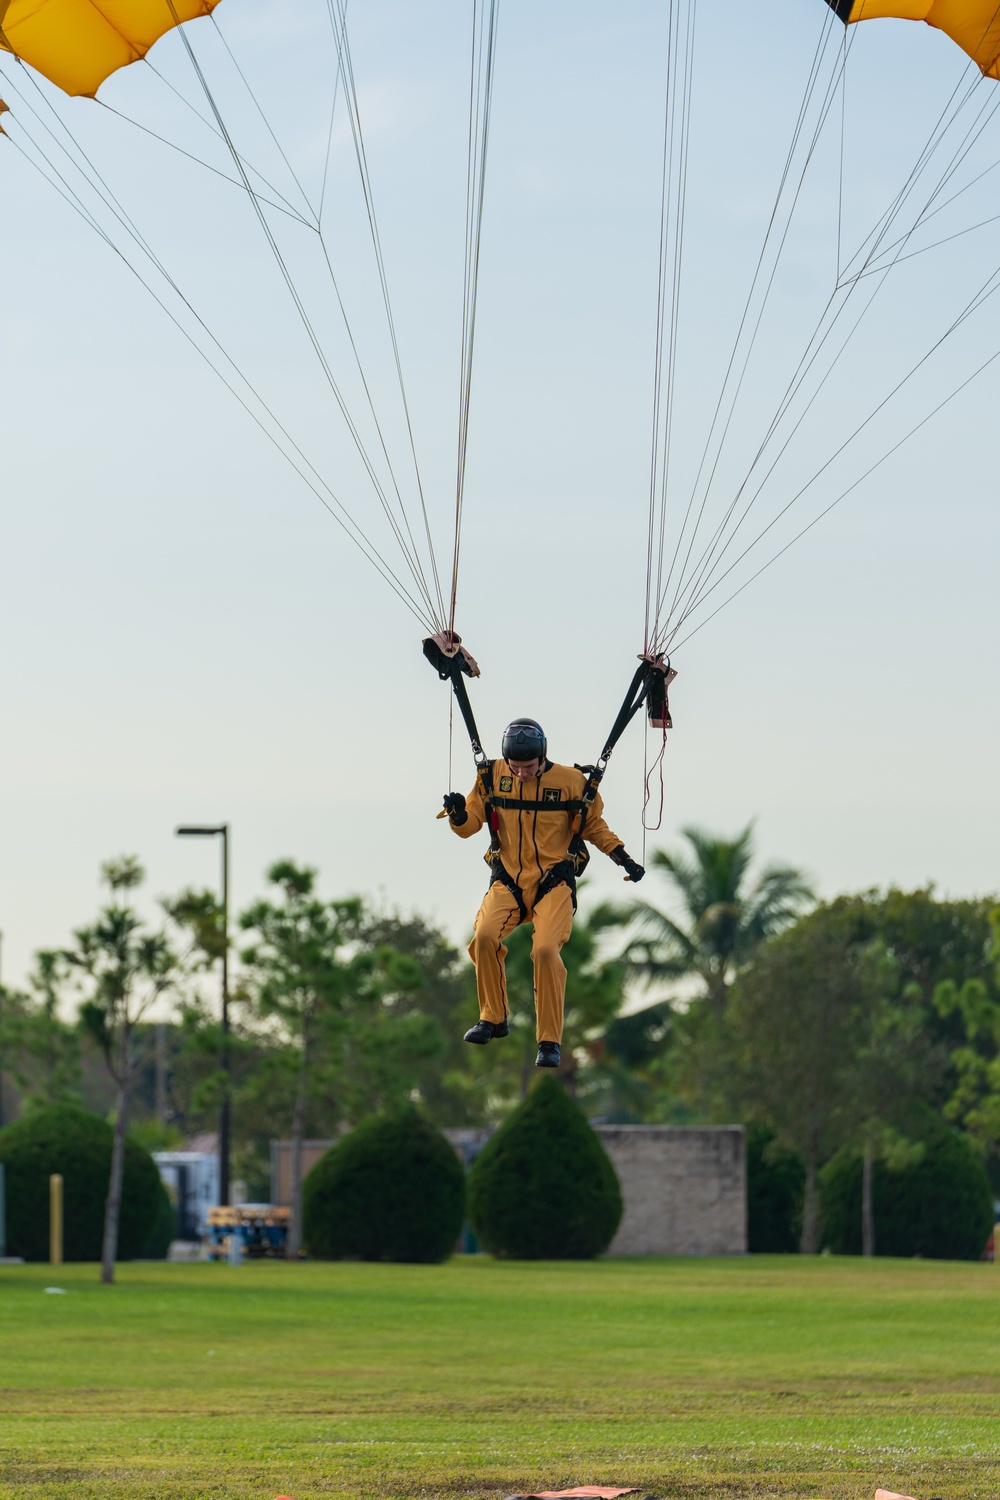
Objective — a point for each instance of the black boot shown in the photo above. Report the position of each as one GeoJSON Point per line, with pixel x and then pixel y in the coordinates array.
{"type": "Point", "coordinates": [485, 1031]}
{"type": "Point", "coordinates": [548, 1055]}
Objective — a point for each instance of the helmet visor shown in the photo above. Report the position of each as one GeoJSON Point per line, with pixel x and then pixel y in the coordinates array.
{"type": "Point", "coordinates": [523, 740]}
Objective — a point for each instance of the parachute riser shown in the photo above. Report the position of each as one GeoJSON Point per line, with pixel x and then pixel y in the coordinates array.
{"type": "Point", "coordinates": [453, 664]}
{"type": "Point", "coordinates": [649, 685]}
{"type": "Point", "coordinates": [650, 681]}
{"type": "Point", "coordinates": [465, 708]}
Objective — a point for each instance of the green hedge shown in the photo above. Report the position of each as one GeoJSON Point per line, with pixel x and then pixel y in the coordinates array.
{"type": "Point", "coordinates": [63, 1138]}
{"type": "Point", "coordinates": [542, 1188]}
{"type": "Point", "coordinates": [941, 1207]}
{"type": "Point", "coordinates": [163, 1228]}
{"type": "Point", "coordinates": [775, 1188]}
{"type": "Point", "coordinates": [391, 1190]}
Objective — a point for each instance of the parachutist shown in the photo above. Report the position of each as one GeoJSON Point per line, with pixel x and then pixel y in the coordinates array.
{"type": "Point", "coordinates": [538, 814]}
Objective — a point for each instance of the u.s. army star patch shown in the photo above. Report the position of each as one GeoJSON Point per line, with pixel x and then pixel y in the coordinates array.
{"type": "Point", "coordinates": [551, 794]}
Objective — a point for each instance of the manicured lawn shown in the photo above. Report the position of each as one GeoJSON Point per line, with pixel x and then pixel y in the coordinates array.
{"type": "Point", "coordinates": [757, 1377]}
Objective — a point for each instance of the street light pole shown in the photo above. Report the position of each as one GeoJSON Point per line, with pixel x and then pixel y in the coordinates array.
{"type": "Point", "coordinates": [216, 830]}
{"type": "Point", "coordinates": [224, 1110]}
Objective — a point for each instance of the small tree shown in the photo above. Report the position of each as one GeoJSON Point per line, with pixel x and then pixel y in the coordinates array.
{"type": "Point", "coordinates": [975, 1061]}
{"type": "Point", "coordinates": [933, 1201]}
{"type": "Point", "coordinates": [896, 1065]}
{"type": "Point", "coordinates": [45, 1047]}
{"type": "Point", "coordinates": [414, 1045]}
{"type": "Point", "coordinates": [125, 969]}
{"type": "Point", "coordinates": [795, 1028]}
{"type": "Point", "coordinates": [543, 1188]}
{"type": "Point", "coordinates": [304, 969]}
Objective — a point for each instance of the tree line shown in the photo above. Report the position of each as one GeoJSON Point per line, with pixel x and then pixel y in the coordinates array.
{"type": "Point", "coordinates": [838, 1030]}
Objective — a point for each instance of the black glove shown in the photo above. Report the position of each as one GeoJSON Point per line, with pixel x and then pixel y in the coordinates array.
{"type": "Point", "coordinates": [454, 806]}
{"type": "Point", "coordinates": [633, 871]}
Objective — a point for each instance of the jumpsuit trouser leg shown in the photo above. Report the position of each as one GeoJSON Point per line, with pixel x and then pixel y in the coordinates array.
{"type": "Point", "coordinates": [552, 919]}
{"type": "Point", "coordinates": [495, 920]}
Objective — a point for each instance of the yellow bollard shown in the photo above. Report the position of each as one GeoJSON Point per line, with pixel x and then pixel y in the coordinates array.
{"type": "Point", "coordinates": [55, 1219]}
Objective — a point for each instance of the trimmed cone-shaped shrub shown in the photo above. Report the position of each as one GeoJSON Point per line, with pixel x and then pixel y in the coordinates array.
{"type": "Point", "coordinates": [62, 1138]}
{"type": "Point", "coordinates": [940, 1208]}
{"type": "Point", "coordinates": [542, 1188]}
{"type": "Point", "coordinates": [391, 1190]}
{"type": "Point", "coordinates": [775, 1186]}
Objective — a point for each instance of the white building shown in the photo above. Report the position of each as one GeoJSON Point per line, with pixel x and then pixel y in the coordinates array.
{"type": "Point", "coordinates": [192, 1180]}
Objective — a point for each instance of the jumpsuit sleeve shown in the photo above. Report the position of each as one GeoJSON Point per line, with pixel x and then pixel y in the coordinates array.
{"type": "Point", "coordinates": [476, 809]}
{"type": "Point", "coordinates": [596, 831]}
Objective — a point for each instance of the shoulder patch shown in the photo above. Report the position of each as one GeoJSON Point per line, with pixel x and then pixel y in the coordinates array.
{"type": "Point", "coordinates": [506, 783]}
{"type": "Point", "coordinates": [551, 794]}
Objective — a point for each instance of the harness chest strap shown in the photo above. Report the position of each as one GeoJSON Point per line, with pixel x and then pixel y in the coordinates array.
{"type": "Point", "coordinates": [526, 804]}
{"type": "Point", "coordinates": [564, 873]}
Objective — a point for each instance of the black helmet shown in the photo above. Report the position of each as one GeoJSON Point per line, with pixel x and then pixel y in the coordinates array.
{"type": "Point", "coordinates": [524, 739]}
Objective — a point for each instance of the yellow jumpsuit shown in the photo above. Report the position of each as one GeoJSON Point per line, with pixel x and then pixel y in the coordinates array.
{"type": "Point", "coordinates": [535, 822]}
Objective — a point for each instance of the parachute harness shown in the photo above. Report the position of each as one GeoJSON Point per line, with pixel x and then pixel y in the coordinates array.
{"type": "Point", "coordinates": [649, 686]}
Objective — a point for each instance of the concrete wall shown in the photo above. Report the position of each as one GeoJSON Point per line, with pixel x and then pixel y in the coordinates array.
{"type": "Point", "coordinates": [684, 1186]}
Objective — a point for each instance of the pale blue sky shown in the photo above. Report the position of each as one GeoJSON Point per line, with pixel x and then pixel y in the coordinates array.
{"type": "Point", "coordinates": [188, 636]}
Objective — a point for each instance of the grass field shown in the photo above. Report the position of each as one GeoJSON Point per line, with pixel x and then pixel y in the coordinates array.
{"type": "Point", "coordinates": [695, 1378]}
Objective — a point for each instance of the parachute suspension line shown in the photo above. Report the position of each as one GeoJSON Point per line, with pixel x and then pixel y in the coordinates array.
{"type": "Point", "coordinates": [411, 559]}
{"type": "Point", "coordinates": [338, 28]}
{"type": "Point", "coordinates": [58, 183]}
{"type": "Point", "coordinates": [329, 133]}
{"type": "Point", "coordinates": [949, 116]}
{"type": "Point", "coordinates": [337, 10]}
{"type": "Point", "coordinates": [673, 201]}
{"type": "Point", "coordinates": [827, 100]}
{"type": "Point", "coordinates": [99, 187]}
{"type": "Point", "coordinates": [843, 133]}
{"type": "Point", "coordinates": [280, 207]}
{"type": "Point", "coordinates": [759, 276]}
{"type": "Point", "coordinates": [844, 493]}
{"type": "Point", "coordinates": [805, 364]}
{"type": "Point", "coordinates": [947, 204]}
{"type": "Point", "coordinates": [264, 120]}
{"type": "Point", "coordinates": [972, 135]}
{"type": "Point", "coordinates": [688, 595]}
{"type": "Point", "coordinates": [987, 290]}
{"type": "Point", "coordinates": [935, 245]}
{"type": "Point", "coordinates": [700, 591]}
{"type": "Point", "coordinates": [656, 769]}
{"type": "Point", "coordinates": [484, 39]}
{"type": "Point", "coordinates": [193, 109]}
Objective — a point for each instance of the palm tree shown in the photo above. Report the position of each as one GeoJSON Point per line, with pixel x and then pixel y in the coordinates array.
{"type": "Point", "coordinates": [726, 913]}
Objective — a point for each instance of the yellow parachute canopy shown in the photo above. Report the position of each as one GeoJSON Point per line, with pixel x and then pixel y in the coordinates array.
{"type": "Point", "coordinates": [76, 44]}
{"type": "Point", "coordinates": [973, 24]}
